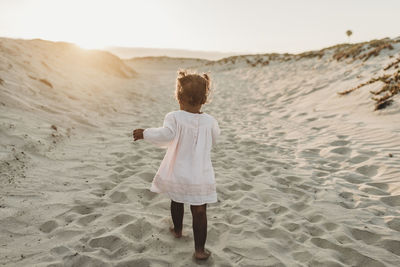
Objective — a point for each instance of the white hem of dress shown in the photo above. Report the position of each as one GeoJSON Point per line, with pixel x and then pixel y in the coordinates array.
{"type": "Point", "coordinates": [204, 199]}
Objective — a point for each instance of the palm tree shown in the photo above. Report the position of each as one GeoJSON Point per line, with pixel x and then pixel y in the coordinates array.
{"type": "Point", "coordinates": [349, 33]}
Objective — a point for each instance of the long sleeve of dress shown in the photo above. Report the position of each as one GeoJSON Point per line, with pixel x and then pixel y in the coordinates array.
{"type": "Point", "coordinates": [162, 136]}
{"type": "Point", "coordinates": [215, 133]}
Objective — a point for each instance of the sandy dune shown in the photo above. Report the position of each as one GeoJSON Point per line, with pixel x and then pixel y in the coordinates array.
{"type": "Point", "coordinates": [305, 177]}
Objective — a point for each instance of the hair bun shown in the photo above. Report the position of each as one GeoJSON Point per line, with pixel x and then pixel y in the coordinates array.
{"type": "Point", "coordinates": [181, 73]}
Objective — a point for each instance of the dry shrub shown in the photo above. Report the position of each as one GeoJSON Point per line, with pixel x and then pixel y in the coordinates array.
{"type": "Point", "coordinates": [310, 54]}
{"type": "Point", "coordinates": [253, 60]}
{"type": "Point", "coordinates": [258, 61]}
{"type": "Point", "coordinates": [348, 51]}
{"type": "Point", "coordinates": [45, 65]}
{"type": "Point", "coordinates": [362, 51]}
{"type": "Point", "coordinates": [397, 61]}
{"type": "Point", "coordinates": [390, 88]}
{"type": "Point", "coordinates": [375, 51]}
{"type": "Point", "coordinates": [46, 82]}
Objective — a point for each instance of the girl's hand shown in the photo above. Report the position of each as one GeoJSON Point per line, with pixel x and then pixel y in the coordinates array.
{"type": "Point", "coordinates": [137, 134]}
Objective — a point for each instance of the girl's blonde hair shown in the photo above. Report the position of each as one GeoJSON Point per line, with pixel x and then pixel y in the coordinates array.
{"type": "Point", "coordinates": [192, 88]}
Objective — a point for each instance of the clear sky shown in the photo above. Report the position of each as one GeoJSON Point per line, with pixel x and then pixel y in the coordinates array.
{"type": "Point", "coordinates": [245, 26]}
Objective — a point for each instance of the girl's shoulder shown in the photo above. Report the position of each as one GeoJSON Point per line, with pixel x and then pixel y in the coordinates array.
{"type": "Point", "coordinates": [184, 116]}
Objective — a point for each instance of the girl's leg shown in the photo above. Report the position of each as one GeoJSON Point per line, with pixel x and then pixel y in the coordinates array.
{"type": "Point", "coordinates": [177, 218]}
{"type": "Point", "coordinates": [199, 214]}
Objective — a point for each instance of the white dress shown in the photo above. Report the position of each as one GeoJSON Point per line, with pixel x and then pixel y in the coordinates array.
{"type": "Point", "coordinates": [186, 174]}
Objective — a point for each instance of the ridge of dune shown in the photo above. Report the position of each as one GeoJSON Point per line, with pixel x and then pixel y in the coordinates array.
{"type": "Point", "coordinates": [338, 52]}
{"type": "Point", "coordinates": [305, 176]}
{"type": "Point", "coordinates": [130, 52]}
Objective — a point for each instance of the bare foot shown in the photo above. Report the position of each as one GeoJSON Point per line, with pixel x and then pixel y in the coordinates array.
{"type": "Point", "coordinates": [175, 234]}
{"type": "Point", "coordinates": [202, 255]}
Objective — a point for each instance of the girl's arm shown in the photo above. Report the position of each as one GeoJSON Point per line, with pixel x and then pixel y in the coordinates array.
{"type": "Point", "coordinates": [161, 136]}
{"type": "Point", "coordinates": [215, 132]}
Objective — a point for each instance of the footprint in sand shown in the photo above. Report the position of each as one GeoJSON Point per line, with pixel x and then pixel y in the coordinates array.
{"type": "Point", "coordinates": [107, 185]}
{"type": "Point", "coordinates": [236, 219]}
{"type": "Point", "coordinates": [81, 209]}
{"type": "Point", "coordinates": [61, 250]}
{"type": "Point", "coordinates": [118, 154]}
{"type": "Point", "coordinates": [98, 192]}
{"type": "Point", "coordinates": [347, 205]}
{"type": "Point", "coordinates": [48, 226]}
{"type": "Point", "coordinates": [342, 150]}
{"type": "Point", "coordinates": [381, 186]}
{"type": "Point", "coordinates": [118, 197]}
{"type": "Point", "coordinates": [146, 176]}
{"type": "Point", "coordinates": [85, 220]}
{"type": "Point", "coordinates": [299, 206]}
{"type": "Point", "coordinates": [314, 230]}
{"type": "Point", "coordinates": [347, 195]}
{"type": "Point", "coordinates": [394, 224]}
{"type": "Point", "coordinates": [366, 236]}
{"type": "Point", "coordinates": [239, 186]}
{"type": "Point", "coordinates": [119, 169]}
{"type": "Point", "coordinates": [358, 159]}
{"type": "Point", "coordinates": [267, 232]}
{"type": "Point", "coordinates": [291, 227]}
{"type": "Point", "coordinates": [141, 262]}
{"type": "Point", "coordinates": [315, 218]}
{"type": "Point", "coordinates": [76, 260]}
{"type": "Point", "coordinates": [329, 116]}
{"type": "Point", "coordinates": [391, 245]}
{"type": "Point", "coordinates": [339, 143]}
{"type": "Point", "coordinates": [373, 191]}
{"type": "Point", "coordinates": [393, 201]}
{"type": "Point", "coordinates": [312, 119]}
{"type": "Point", "coordinates": [110, 242]}
{"type": "Point", "coordinates": [330, 226]}
{"type": "Point", "coordinates": [347, 255]}
{"type": "Point", "coordinates": [310, 153]}
{"type": "Point", "coordinates": [278, 209]}
{"type": "Point", "coordinates": [368, 170]}
{"type": "Point", "coordinates": [121, 219]}
{"type": "Point", "coordinates": [138, 230]}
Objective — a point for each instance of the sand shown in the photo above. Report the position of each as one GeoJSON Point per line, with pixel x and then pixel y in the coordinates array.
{"type": "Point", "coordinates": [305, 177]}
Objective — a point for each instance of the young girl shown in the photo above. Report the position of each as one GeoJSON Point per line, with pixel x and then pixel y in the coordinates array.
{"type": "Point", "coordinates": [186, 174]}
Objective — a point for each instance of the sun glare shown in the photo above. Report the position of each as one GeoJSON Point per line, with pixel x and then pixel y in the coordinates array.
{"type": "Point", "coordinates": [88, 44]}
